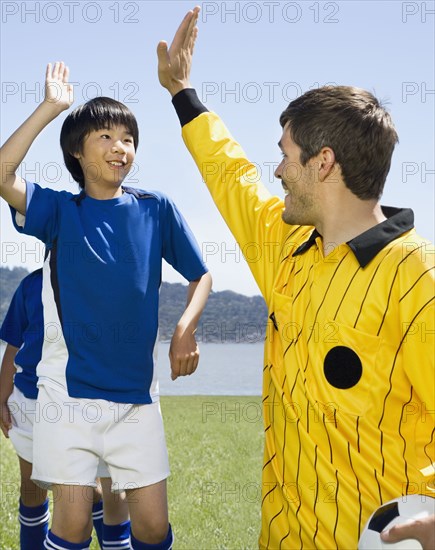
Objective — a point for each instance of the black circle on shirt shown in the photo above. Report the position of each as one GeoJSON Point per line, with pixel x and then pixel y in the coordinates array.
{"type": "Point", "coordinates": [342, 367]}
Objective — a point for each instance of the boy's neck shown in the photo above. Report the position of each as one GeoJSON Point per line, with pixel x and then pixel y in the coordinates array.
{"type": "Point", "coordinates": [103, 193]}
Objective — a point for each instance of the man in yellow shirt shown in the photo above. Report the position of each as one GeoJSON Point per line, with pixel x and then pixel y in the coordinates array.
{"type": "Point", "coordinates": [348, 388]}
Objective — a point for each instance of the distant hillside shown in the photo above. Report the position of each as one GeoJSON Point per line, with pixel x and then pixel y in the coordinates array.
{"type": "Point", "coordinates": [228, 317]}
{"type": "Point", "coordinates": [9, 280]}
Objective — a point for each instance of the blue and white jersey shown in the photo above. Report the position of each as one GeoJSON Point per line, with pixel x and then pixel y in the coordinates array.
{"type": "Point", "coordinates": [23, 327]}
{"type": "Point", "coordinates": [101, 287]}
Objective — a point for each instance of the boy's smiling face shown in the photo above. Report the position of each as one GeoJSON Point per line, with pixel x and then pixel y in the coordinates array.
{"type": "Point", "coordinates": [106, 157]}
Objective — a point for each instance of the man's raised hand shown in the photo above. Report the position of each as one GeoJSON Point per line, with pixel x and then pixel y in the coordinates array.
{"type": "Point", "coordinates": [58, 92]}
{"type": "Point", "coordinates": [175, 63]}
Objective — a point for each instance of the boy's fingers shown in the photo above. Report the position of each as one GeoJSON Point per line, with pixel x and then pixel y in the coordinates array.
{"type": "Point", "coordinates": [175, 367]}
{"type": "Point", "coordinates": [55, 72]}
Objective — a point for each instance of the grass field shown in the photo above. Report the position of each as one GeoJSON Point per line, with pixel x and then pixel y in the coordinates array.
{"type": "Point", "coordinates": [215, 451]}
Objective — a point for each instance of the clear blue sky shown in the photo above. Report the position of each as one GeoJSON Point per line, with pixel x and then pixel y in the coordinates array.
{"type": "Point", "coordinates": [251, 59]}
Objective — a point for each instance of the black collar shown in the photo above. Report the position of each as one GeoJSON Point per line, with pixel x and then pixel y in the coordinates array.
{"type": "Point", "coordinates": [368, 244]}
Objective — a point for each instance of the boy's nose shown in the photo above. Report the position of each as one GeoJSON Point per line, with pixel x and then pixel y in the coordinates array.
{"type": "Point", "coordinates": [118, 146]}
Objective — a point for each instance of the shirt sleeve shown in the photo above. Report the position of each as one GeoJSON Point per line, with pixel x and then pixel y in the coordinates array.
{"type": "Point", "coordinates": [252, 213]}
{"type": "Point", "coordinates": [180, 248]}
{"type": "Point", "coordinates": [15, 321]}
{"type": "Point", "coordinates": [41, 219]}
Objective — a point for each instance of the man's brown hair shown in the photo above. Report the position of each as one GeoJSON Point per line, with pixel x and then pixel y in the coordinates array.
{"type": "Point", "coordinates": [354, 124]}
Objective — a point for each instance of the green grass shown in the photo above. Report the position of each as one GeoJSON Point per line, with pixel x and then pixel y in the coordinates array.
{"type": "Point", "coordinates": [215, 452]}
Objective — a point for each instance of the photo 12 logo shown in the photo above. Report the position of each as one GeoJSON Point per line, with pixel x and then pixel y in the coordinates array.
{"type": "Point", "coordinates": [271, 12]}
{"type": "Point", "coordinates": [24, 92]}
{"type": "Point", "coordinates": [70, 12]}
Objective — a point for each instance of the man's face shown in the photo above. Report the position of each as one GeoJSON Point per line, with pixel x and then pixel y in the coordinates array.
{"type": "Point", "coordinates": [298, 182]}
{"type": "Point", "coordinates": [107, 156]}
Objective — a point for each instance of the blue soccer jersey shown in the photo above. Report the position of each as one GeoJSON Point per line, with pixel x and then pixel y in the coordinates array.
{"type": "Point", "coordinates": [101, 287]}
{"type": "Point", "coordinates": [23, 327]}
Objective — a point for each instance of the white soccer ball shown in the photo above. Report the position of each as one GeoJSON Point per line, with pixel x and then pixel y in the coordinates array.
{"type": "Point", "coordinates": [399, 510]}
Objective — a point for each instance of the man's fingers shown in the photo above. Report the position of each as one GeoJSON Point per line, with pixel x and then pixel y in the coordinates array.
{"type": "Point", "coordinates": [191, 28]}
{"type": "Point", "coordinates": [162, 50]}
{"type": "Point", "coordinates": [181, 33]}
{"type": "Point", "coordinates": [409, 530]}
{"type": "Point", "coordinates": [193, 40]}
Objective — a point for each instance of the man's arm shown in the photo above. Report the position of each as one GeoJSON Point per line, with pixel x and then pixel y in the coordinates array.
{"type": "Point", "coordinates": [58, 97]}
{"type": "Point", "coordinates": [6, 386]}
{"type": "Point", "coordinates": [252, 214]}
{"type": "Point", "coordinates": [183, 351]}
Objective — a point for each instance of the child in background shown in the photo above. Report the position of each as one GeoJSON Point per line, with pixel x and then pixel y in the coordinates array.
{"type": "Point", "coordinates": [23, 332]}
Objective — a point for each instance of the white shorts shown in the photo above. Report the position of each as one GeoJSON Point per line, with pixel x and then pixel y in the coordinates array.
{"type": "Point", "coordinates": [23, 413]}
{"type": "Point", "coordinates": [72, 435]}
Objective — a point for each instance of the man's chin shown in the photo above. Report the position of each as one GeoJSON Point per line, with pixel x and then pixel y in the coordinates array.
{"type": "Point", "coordinates": [288, 218]}
{"type": "Point", "coordinates": [293, 219]}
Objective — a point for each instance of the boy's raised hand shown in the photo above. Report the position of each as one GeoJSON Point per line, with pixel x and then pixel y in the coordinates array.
{"type": "Point", "coordinates": [58, 92]}
{"type": "Point", "coordinates": [175, 63]}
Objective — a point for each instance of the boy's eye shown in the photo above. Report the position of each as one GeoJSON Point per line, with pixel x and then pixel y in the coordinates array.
{"type": "Point", "coordinates": [129, 140]}
{"type": "Point", "coordinates": [105, 136]}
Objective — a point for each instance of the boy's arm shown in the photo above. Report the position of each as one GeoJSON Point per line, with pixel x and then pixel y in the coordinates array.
{"type": "Point", "coordinates": [183, 351]}
{"type": "Point", "coordinates": [58, 97]}
{"type": "Point", "coordinates": [6, 386]}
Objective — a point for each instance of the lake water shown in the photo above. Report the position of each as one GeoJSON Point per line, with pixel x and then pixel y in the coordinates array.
{"type": "Point", "coordinates": [224, 369]}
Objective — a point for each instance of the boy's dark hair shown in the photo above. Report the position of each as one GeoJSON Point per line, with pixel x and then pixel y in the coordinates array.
{"type": "Point", "coordinates": [353, 123]}
{"type": "Point", "coordinates": [96, 114]}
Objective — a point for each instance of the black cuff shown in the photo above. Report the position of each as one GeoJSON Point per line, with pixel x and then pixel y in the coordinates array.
{"type": "Point", "coordinates": [187, 105]}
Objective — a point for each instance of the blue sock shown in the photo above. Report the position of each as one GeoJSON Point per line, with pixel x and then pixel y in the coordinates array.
{"type": "Point", "coordinates": [53, 542]}
{"type": "Point", "coordinates": [165, 545]}
{"type": "Point", "coordinates": [33, 525]}
{"type": "Point", "coordinates": [116, 537]}
{"type": "Point", "coordinates": [97, 520]}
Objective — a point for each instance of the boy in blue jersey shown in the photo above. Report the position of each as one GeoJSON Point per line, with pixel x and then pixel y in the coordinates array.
{"type": "Point", "coordinates": [23, 331]}
{"type": "Point", "coordinates": [100, 290]}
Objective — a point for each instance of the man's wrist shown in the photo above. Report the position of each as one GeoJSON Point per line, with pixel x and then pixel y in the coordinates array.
{"type": "Point", "coordinates": [187, 105]}
{"type": "Point", "coordinates": [178, 87]}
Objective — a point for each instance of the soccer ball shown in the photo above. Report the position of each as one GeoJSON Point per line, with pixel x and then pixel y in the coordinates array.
{"type": "Point", "coordinates": [399, 510]}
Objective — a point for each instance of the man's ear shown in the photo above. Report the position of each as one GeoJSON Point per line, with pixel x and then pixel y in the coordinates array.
{"type": "Point", "coordinates": [326, 162]}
